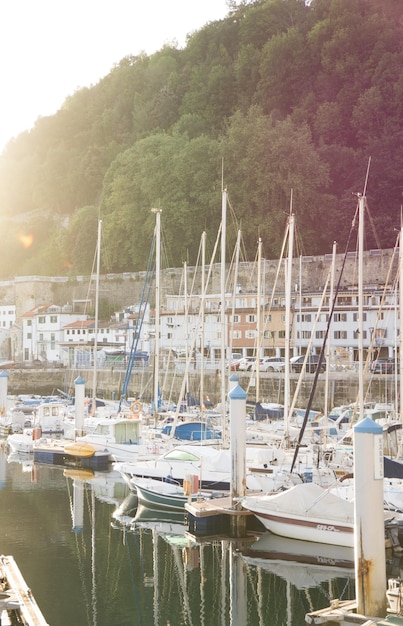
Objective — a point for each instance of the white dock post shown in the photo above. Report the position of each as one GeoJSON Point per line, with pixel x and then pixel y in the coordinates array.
{"type": "Point", "coordinates": [3, 392]}
{"type": "Point", "coordinates": [237, 415]}
{"type": "Point", "coordinates": [369, 527]}
{"type": "Point", "coordinates": [233, 381]}
{"type": "Point", "coordinates": [79, 395]}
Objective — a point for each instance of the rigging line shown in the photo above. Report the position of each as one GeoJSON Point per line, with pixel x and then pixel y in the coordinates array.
{"type": "Point", "coordinates": [322, 352]}
{"type": "Point", "coordinates": [364, 193]}
{"type": "Point", "coordinates": [139, 322]}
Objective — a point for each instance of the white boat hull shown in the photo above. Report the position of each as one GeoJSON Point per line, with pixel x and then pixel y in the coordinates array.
{"type": "Point", "coordinates": [306, 512]}
{"type": "Point", "coordinates": [319, 531]}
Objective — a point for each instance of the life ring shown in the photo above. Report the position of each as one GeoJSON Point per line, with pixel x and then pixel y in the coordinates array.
{"type": "Point", "coordinates": [136, 407]}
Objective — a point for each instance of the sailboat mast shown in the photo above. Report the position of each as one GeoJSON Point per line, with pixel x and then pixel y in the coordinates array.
{"type": "Point", "coordinates": [202, 340]}
{"type": "Point", "coordinates": [157, 307]}
{"type": "Point", "coordinates": [259, 320]}
{"type": "Point", "coordinates": [98, 265]}
{"type": "Point", "coordinates": [288, 324]}
{"type": "Point", "coordinates": [401, 324]}
{"type": "Point", "coordinates": [361, 205]}
{"type": "Point", "coordinates": [223, 324]}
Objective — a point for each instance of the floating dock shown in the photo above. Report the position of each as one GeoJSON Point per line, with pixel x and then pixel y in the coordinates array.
{"type": "Point", "coordinates": [213, 517]}
{"type": "Point", "coordinates": [17, 604]}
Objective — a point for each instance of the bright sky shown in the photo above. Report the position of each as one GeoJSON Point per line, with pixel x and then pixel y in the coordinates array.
{"type": "Point", "coordinates": [51, 48]}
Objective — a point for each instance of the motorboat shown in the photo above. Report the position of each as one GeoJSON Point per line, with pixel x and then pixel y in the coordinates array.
{"type": "Point", "coordinates": [119, 436]}
{"type": "Point", "coordinates": [306, 512]}
{"type": "Point", "coordinates": [169, 495]}
{"type": "Point", "coordinates": [211, 465]}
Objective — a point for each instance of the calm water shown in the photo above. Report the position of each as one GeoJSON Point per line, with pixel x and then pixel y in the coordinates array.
{"type": "Point", "coordinates": [92, 558]}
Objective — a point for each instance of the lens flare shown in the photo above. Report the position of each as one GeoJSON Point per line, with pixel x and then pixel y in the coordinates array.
{"type": "Point", "coordinates": [26, 240]}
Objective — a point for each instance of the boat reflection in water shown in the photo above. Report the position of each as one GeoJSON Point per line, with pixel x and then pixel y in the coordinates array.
{"type": "Point", "coordinates": [92, 556]}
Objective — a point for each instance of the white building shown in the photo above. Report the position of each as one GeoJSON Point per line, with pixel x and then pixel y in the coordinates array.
{"type": "Point", "coordinates": [43, 331]}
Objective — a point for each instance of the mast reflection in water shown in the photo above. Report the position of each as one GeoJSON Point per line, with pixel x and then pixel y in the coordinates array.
{"type": "Point", "coordinates": [93, 558]}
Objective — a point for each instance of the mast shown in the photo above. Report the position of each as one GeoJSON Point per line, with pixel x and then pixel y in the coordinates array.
{"type": "Point", "coordinates": [157, 308]}
{"type": "Point", "coordinates": [361, 204]}
{"type": "Point", "coordinates": [259, 320]}
{"type": "Point", "coordinates": [401, 322]}
{"type": "Point", "coordinates": [203, 288]}
{"type": "Point", "coordinates": [287, 323]}
{"type": "Point", "coordinates": [94, 374]}
{"type": "Point", "coordinates": [223, 324]}
{"type": "Point", "coordinates": [329, 348]}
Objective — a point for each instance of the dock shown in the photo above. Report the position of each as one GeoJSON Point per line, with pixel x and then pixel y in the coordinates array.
{"type": "Point", "coordinates": [16, 597]}
{"type": "Point", "coordinates": [212, 517]}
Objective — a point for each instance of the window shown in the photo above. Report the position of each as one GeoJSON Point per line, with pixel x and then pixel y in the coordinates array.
{"type": "Point", "coordinates": [356, 317]}
{"type": "Point", "coordinates": [237, 334]}
{"type": "Point", "coordinates": [29, 335]}
{"type": "Point", "coordinates": [250, 334]}
{"type": "Point", "coordinates": [236, 319]}
{"type": "Point", "coordinates": [251, 319]}
{"type": "Point", "coordinates": [340, 334]}
{"type": "Point", "coordinates": [52, 341]}
{"type": "Point", "coordinates": [29, 322]}
{"type": "Point", "coordinates": [53, 319]}
{"type": "Point", "coordinates": [320, 334]}
{"type": "Point", "coordinates": [281, 334]}
{"type": "Point", "coordinates": [340, 317]}
{"type": "Point", "coordinates": [41, 319]}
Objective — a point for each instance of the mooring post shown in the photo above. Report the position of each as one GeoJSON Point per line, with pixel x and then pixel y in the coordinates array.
{"type": "Point", "coordinates": [369, 524]}
{"type": "Point", "coordinates": [237, 414]}
{"type": "Point", "coordinates": [79, 395]}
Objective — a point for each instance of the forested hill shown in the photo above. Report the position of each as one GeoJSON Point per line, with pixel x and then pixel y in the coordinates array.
{"type": "Point", "coordinates": [280, 95]}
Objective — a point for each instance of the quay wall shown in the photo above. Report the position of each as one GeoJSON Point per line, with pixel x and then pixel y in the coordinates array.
{"type": "Point", "coordinates": [343, 386]}
{"type": "Point", "coordinates": [310, 273]}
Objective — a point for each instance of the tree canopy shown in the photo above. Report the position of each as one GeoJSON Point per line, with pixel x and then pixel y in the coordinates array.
{"type": "Point", "coordinates": [280, 97]}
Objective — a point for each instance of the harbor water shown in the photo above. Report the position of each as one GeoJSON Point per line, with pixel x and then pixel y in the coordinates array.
{"type": "Point", "coordinates": [93, 557]}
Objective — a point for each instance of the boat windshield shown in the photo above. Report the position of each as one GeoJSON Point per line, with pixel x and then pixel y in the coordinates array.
{"type": "Point", "coordinates": [180, 455]}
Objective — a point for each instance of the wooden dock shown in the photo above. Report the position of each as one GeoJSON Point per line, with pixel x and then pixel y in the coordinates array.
{"type": "Point", "coordinates": [16, 597]}
{"type": "Point", "coordinates": [216, 517]}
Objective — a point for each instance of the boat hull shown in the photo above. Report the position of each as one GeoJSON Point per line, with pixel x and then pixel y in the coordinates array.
{"type": "Point", "coordinates": [162, 495]}
{"type": "Point", "coordinates": [320, 531]}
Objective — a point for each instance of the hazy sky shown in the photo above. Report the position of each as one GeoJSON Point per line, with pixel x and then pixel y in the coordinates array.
{"type": "Point", "coordinates": [50, 48]}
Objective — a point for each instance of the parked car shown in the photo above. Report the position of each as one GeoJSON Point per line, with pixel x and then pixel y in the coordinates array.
{"type": "Point", "coordinates": [246, 363]}
{"type": "Point", "coordinates": [383, 366]}
{"type": "Point", "coordinates": [271, 364]}
{"type": "Point", "coordinates": [235, 361]}
{"type": "Point", "coordinates": [311, 364]}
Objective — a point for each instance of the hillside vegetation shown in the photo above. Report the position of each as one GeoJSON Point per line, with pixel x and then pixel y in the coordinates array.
{"type": "Point", "coordinates": [280, 95]}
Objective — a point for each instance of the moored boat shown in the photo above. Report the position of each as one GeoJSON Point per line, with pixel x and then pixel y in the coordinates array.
{"type": "Point", "coordinates": [307, 512]}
